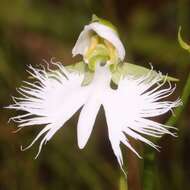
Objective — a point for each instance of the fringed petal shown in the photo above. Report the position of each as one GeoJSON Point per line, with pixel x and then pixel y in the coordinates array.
{"type": "Point", "coordinates": [51, 100]}
{"type": "Point", "coordinates": [130, 108]}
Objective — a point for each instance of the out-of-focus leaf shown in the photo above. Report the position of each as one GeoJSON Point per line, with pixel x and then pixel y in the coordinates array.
{"type": "Point", "coordinates": [182, 43]}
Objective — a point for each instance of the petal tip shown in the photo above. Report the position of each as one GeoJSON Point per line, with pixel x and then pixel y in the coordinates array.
{"type": "Point", "coordinates": [81, 144]}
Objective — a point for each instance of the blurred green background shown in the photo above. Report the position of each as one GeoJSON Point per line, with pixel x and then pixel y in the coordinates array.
{"type": "Point", "coordinates": [32, 30]}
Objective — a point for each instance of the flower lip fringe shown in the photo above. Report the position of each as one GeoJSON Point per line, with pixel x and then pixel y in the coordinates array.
{"type": "Point", "coordinates": [127, 109]}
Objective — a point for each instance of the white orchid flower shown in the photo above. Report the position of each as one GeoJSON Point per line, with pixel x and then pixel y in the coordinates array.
{"type": "Point", "coordinates": [58, 94]}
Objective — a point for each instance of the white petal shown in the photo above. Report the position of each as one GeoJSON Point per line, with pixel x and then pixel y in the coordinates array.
{"type": "Point", "coordinates": [114, 123]}
{"type": "Point", "coordinates": [103, 31]}
{"type": "Point", "coordinates": [86, 120]}
{"type": "Point", "coordinates": [98, 87]}
{"type": "Point", "coordinates": [51, 101]}
{"type": "Point", "coordinates": [130, 108]}
{"type": "Point", "coordinates": [82, 43]}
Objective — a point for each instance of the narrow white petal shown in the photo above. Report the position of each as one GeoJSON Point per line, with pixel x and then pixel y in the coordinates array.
{"type": "Point", "coordinates": [97, 89]}
{"type": "Point", "coordinates": [86, 120]}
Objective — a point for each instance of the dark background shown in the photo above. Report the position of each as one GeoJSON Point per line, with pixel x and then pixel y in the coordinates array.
{"type": "Point", "coordinates": [32, 30]}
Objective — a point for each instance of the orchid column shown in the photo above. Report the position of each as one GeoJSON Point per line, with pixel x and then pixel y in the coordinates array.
{"type": "Point", "coordinates": [129, 108]}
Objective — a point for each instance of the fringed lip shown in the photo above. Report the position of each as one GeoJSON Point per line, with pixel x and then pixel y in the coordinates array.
{"type": "Point", "coordinates": [128, 109]}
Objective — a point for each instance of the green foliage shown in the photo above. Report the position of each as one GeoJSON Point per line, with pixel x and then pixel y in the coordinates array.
{"type": "Point", "coordinates": [182, 43]}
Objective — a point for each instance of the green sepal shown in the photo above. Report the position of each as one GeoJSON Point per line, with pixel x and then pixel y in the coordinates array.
{"type": "Point", "coordinates": [79, 67]}
{"type": "Point", "coordinates": [140, 71]}
{"type": "Point", "coordinates": [116, 76]}
{"type": "Point", "coordinates": [95, 18]}
{"type": "Point", "coordinates": [124, 69]}
{"type": "Point", "coordinates": [104, 22]}
{"type": "Point", "coordinates": [82, 68]}
{"type": "Point", "coordinates": [182, 43]}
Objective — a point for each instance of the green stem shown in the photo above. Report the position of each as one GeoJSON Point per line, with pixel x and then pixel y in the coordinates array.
{"type": "Point", "coordinates": [123, 183]}
{"type": "Point", "coordinates": [149, 170]}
